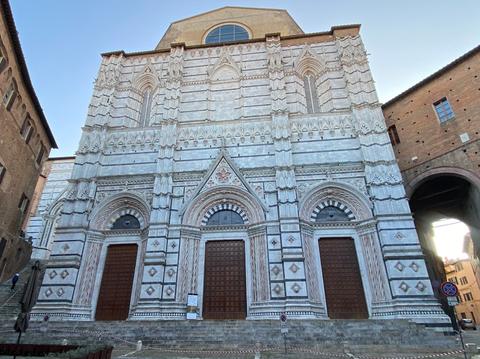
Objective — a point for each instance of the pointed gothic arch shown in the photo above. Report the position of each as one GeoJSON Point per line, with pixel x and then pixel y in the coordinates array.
{"type": "Point", "coordinates": [339, 195]}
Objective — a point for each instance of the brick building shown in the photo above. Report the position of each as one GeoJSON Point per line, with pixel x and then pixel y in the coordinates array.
{"type": "Point", "coordinates": [25, 142]}
{"type": "Point", "coordinates": [434, 128]}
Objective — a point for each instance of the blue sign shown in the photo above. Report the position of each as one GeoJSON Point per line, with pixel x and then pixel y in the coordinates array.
{"type": "Point", "coordinates": [449, 289]}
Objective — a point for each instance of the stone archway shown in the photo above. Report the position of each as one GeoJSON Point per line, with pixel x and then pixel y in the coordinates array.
{"type": "Point", "coordinates": [201, 242]}
{"type": "Point", "coordinates": [440, 193]}
{"type": "Point", "coordinates": [99, 238]}
{"type": "Point", "coordinates": [354, 230]}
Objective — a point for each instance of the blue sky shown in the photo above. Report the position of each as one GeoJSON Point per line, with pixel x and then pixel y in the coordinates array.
{"type": "Point", "coordinates": [62, 41]}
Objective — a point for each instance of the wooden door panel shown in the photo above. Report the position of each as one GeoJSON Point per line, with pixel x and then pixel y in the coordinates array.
{"type": "Point", "coordinates": [117, 280]}
{"type": "Point", "coordinates": [342, 279]}
{"type": "Point", "coordinates": [224, 281]}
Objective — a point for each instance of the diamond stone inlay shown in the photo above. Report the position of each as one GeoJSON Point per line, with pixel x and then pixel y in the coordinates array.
{"type": "Point", "coordinates": [53, 274]}
{"type": "Point", "coordinates": [404, 286]}
{"type": "Point", "coordinates": [60, 292]}
{"type": "Point", "coordinates": [400, 266]}
{"type": "Point", "coordinates": [291, 239]}
{"type": "Point", "coordinates": [296, 288]}
{"type": "Point", "coordinates": [150, 290]}
{"type": "Point", "coordinates": [277, 289]}
{"type": "Point", "coordinates": [171, 272]}
{"type": "Point", "coordinates": [276, 270]}
{"type": "Point", "coordinates": [169, 291]}
{"type": "Point", "coordinates": [414, 267]}
{"type": "Point", "coordinates": [294, 268]}
{"type": "Point", "coordinates": [64, 274]}
{"type": "Point", "coordinates": [48, 292]}
{"type": "Point", "coordinates": [65, 247]}
{"type": "Point", "coordinates": [420, 286]}
{"type": "Point", "coordinates": [152, 271]}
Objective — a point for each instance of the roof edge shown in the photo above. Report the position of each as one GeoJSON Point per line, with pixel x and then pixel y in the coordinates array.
{"type": "Point", "coordinates": [258, 39]}
{"type": "Point", "coordinates": [12, 31]}
{"type": "Point", "coordinates": [433, 76]}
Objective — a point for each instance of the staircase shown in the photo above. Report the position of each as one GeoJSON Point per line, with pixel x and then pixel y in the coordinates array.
{"type": "Point", "coordinates": [234, 334]}
{"type": "Point", "coordinates": [9, 299]}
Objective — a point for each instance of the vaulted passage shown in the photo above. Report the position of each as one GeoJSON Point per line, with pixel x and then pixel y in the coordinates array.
{"type": "Point", "coordinates": [116, 289]}
{"type": "Point", "coordinates": [342, 280]}
{"type": "Point", "coordinates": [224, 294]}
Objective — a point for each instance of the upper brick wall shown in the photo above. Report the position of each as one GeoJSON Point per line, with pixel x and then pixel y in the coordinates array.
{"type": "Point", "coordinates": [422, 137]}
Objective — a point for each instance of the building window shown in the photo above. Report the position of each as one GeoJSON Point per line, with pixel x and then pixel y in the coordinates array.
{"type": "Point", "coordinates": [393, 134]}
{"type": "Point", "coordinates": [27, 129]}
{"type": "Point", "coordinates": [311, 98]}
{"type": "Point", "coordinates": [3, 59]}
{"type": "Point", "coordinates": [331, 214]}
{"type": "Point", "coordinates": [459, 298]}
{"type": "Point", "coordinates": [226, 33]}
{"type": "Point", "coordinates": [468, 296]}
{"type": "Point", "coordinates": [41, 153]}
{"type": "Point", "coordinates": [444, 110]}
{"type": "Point", "coordinates": [2, 172]}
{"type": "Point", "coordinates": [23, 204]}
{"type": "Point", "coordinates": [458, 268]}
{"type": "Point", "coordinates": [126, 221]}
{"type": "Point", "coordinates": [145, 109]}
{"type": "Point", "coordinates": [463, 280]}
{"type": "Point", "coordinates": [224, 217]}
{"type": "Point", "coordinates": [453, 280]}
{"type": "Point", "coordinates": [9, 96]}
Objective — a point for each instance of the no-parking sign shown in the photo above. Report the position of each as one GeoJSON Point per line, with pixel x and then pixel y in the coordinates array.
{"type": "Point", "coordinates": [449, 289]}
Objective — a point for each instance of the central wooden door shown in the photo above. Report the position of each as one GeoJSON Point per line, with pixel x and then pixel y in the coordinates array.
{"type": "Point", "coordinates": [116, 288]}
{"type": "Point", "coordinates": [342, 279]}
{"type": "Point", "coordinates": [224, 289]}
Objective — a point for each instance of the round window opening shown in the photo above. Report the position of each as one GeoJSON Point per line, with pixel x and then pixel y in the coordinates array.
{"type": "Point", "coordinates": [226, 33]}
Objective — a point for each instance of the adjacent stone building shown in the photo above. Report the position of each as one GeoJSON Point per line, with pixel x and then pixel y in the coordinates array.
{"type": "Point", "coordinates": [47, 204]}
{"type": "Point", "coordinates": [434, 128]}
{"type": "Point", "coordinates": [242, 169]}
{"type": "Point", "coordinates": [25, 142]}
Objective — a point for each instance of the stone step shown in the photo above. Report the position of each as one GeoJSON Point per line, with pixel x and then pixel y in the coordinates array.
{"type": "Point", "coordinates": [232, 334]}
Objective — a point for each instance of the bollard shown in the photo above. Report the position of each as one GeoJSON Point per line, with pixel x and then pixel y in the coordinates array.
{"type": "Point", "coordinates": [257, 350]}
{"type": "Point", "coordinates": [139, 345]}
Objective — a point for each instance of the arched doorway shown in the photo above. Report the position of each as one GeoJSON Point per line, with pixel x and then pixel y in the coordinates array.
{"type": "Point", "coordinates": [438, 197]}
{"type": "Point", "coordinates": [224, 291]}
{"type": "Point", "coordinates": [118, 274]}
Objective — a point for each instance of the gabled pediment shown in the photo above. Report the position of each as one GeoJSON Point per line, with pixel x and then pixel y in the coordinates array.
{"type": "Point", "coordinates": [223, 173]}
{"type": "Point", "coordinates": [225, 69]}
{"type": "Point", "coordinates": [308, 60]}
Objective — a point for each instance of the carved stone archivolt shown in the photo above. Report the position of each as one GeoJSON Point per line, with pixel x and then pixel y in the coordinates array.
{"type": "Point", "coordinates": [218, 196]}
{"type": "Point", "coordinates": [340, 193]}
{"type": "Point", "coordinates": [115, 206]}
{"type": "Point", "coordinates": [223, 207]}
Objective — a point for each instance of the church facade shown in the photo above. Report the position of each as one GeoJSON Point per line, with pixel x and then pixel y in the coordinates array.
{"type": "Point", "coordinates": [240, 170]}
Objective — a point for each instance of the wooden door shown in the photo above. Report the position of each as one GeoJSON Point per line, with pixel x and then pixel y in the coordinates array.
{"type": "Point", "coordinates": [342, 279]}
{"type": "Point", "coordinates": [224, 289]}
{"type": "Point", "coordinates": [116, 288]}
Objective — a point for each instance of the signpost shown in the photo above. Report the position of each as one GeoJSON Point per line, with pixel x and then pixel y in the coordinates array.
{"type": "Point", "coordinates": [284, 329]}
{"type": "Point", "coordinates": [450, 290]}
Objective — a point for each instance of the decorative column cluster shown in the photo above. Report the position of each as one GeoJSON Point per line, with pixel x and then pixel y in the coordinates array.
{"type": "Point", "coordinates": [289, 272]}
{"type": "Point", "coordinates": [409, 284]}
{"type": "Point", "coordinates": [161, 258]}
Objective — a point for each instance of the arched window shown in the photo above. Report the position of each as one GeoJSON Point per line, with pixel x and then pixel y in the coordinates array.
{"type": "Point", "coordinates": [311, 96]}
{"type": "Point", "coordinates": [144, 118]}
{"type": "Point", "coordinates": [226, 33]}
{"type": "Point", "coordinates": [126, 221]}
{"type": "Point", "coordinates": [224, 217]}
{"type": "Point", "coordinates": [332, 214]}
